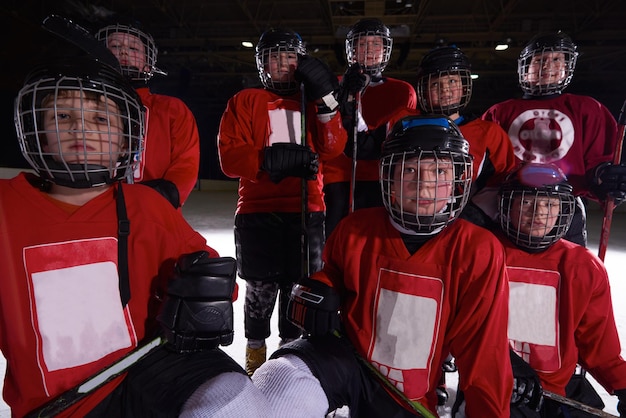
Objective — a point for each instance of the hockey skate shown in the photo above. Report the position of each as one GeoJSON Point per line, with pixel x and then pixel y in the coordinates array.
{"type": "Point", "coordinates": [254, 358]}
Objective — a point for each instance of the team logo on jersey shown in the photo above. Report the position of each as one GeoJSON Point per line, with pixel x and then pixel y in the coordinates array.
{"type": "Point", "coordinates": [541, 135]}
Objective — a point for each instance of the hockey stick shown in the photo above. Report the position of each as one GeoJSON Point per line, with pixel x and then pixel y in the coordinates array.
{"type": "Point", "coordinates": [578, 405]}
{"type": "Point", "coordinates": [609, 204]}
{"type": "Point", "coordinates": [80, 37]}
{"type": "Point", "coordinates": [304, 239]}
{"type": "Point", "coordinates": [75, 394]}
{"type": "Point", "coordinates": [355, 133]}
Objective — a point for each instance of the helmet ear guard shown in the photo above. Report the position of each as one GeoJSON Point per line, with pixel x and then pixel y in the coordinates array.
{"type": "Point", "coordinates": [527, 184]}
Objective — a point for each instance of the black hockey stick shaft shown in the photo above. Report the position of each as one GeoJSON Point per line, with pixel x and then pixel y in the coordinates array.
{"type": "Point", "coordinates": [609, 204]}
{"type": "Point", "coordinates": [75, 394]}
{"type": "Point", "coordinates": [304, 211]}
{"type": "Point", "coordinates": [355, 134]}
{"type": "Point", "coordinates": [78, 36]}
{"type": "Point", "coordinates": [578, 405]}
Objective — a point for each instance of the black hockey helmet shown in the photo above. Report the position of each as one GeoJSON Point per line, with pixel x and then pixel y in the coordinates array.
{"type": "Point", "coordinates": [538, 45]}
{"type": "Point", "coordinates": [274, 41]}
{"type": "Point", "coordinates": [417, 138]}
{"type": "Point", "coordinates": [439, 62]}
{"type": "Point", "coordinates": [87, 80]}
{"type": "Point", "coordinates": [521, 198]}
{"type": "Point", "coordinates": [133, 29]}
{"type": "Point", "coordinates": [368, 27]}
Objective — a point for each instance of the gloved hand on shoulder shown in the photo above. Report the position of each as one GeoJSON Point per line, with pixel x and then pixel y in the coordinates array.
{"type": "Point", "coordinates": [167, 189]}
{"type": "Point", "coordinates": [318, 79]}
{"type": "Point", "coordinates": [609, 182]}
{"type": "Point", "coordinates": [290, 160]}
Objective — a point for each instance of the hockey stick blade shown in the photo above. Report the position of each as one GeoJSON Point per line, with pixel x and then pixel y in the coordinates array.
{"type": "Point", "coordinates": [578, 405]}
{"type": "Point", "coordinates": [71, 396]}
{"type": "Point", "coordinates": [609, 205]}
{"type": "Point", "coordinates": [80, 37]}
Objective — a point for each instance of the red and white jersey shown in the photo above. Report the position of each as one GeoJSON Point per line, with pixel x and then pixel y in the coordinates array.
{"type": "Point", "coordinates": [257, 118]}
{"type": "Point", "coordinates": [574, 132]}
{"type": "Point", "coordinates": [560, 314]}
{"type": "Point", "coordinates": [172, 143]}
{"type": "Point", "coordinates": [379, 102]}
{"type": "Point", "coordinates": [404, 313]}
{"type": "Point", "coordinates": [61, 317]}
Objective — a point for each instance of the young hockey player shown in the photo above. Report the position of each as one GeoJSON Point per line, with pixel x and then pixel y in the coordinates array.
{"type": "Point", "coordinates": [444, 86]}
{"type": "Point", "coordinates": [575, 132]}
{"type": "Point", "coordinates": [560, 310]}
{"type": "Point", "coordinates": [171, 157]}
{"type": "Point", "coordinates": [260, 142]}
{"type": "Point", "coordinates": [403, 285]}
{"type": "Point", "coordinates": [368, 51]}
{"type": "Point", "coordinates": [89, 259]}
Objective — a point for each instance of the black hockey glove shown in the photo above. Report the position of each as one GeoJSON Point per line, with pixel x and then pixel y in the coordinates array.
{"type": "Point", "coordinates": [527, 389]}
{"type": "Point", "coordinates": [318, 79]}
{"type": "Point", "coordinates": [621, 404]}
{"type": "Point", "coordinates": [167, 190]}
{"type": "Point", "coordinates": [353, 81]}
{"type": "Point", "coordinates": [290, 160]}
{"type": "Point", "coordinates": [314, 307]}
{"type": "Point", "coordinates": [610, 182]}
{"type": "Point", "coordinates": [368, 145]}
{"type": "Point", "coordinates": [197, 313]}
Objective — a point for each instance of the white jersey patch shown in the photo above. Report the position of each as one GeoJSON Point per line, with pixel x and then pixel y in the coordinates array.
{"type": "Point", "coordinates": [285, 122]}
{"type": "Point", "coordinates": [77, 310]}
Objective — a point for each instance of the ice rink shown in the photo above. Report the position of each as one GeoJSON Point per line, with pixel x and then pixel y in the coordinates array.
{"type": "Point", "coordinates": [211, 213]}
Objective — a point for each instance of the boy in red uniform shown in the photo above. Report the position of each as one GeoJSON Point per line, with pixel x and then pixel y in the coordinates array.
{"type": "Point", "coordinates": [560, 310]}
{"type": "Point", "coordinates": [88, 260]}
{"type": "Point", "coordinates": [405, 284]}
{"type": "Point", "coordinates": [260, 141]}
{"type": "Point", "coordinates": [368, 51]}
{"type": "Point", "coordinates": [171, 157]}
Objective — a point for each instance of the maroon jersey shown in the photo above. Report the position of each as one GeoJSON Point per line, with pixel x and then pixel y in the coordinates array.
{"type": "Point", "coordinates": [574, 132]}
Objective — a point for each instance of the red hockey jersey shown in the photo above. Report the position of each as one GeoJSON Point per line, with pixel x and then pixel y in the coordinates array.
{"type": "Point", "coordinates": [257, 118]}
{"type": "Point", "coordinates": [62, 318]}
{"type": "Point", "coordinates": [379, 102]}
{"type": "Point", "coordinates": [574, 132]}
{"type": "Point", "coordinates": [172, 143]}
{"type": "Point", "coordinates": [404, 313]}
{"type": "Point", "coordinates": [560, 314]}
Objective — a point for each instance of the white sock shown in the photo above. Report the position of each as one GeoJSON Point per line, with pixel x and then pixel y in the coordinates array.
{"type": "Point", "coordinates": [227, 395]}
{"type": "Point", "coordinates": [291, 388]}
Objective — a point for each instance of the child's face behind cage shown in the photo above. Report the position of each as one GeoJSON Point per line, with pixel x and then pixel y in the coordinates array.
{"type": "Point", "coordinates": [83, 128]}
{"type": "Point", "coordinates": [423, 186]}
